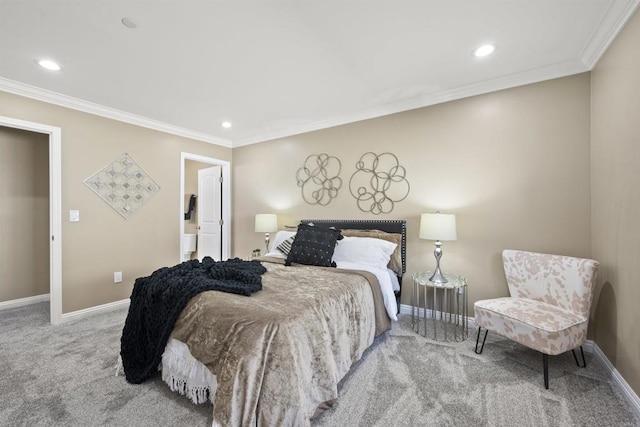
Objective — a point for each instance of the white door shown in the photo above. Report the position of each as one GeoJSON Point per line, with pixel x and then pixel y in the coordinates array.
{"type": "Point", "coordinates": [209, 207]}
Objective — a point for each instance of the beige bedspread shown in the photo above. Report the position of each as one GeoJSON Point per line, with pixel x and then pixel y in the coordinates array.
{"type": "Point", "coordinates": [280, 353]}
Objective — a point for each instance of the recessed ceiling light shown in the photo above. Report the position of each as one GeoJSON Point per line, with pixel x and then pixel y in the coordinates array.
{"type": "Point", "coordinates": [129, 23]}
{"type": "Point", "coordinates": [48, 64]}
{"type": "Point", "coordinates": [225, 125]}
{"type": "Point", "coordinates": [485, 50]}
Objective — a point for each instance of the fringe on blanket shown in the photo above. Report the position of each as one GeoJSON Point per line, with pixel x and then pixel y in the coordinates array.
{"type": "Point", "coordinates": [184, 374]}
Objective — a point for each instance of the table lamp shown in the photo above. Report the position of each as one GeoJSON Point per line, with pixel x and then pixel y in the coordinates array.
{"type": "Point", "coordinates": [266, 223]}
{"type": "Point", "coordinates": [437, 226]}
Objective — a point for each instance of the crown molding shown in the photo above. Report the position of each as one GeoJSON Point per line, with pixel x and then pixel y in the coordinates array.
{"type": "Point", "coordinates": [39, 94]}
{"type": "Point", "coordinates": [616, 17]}
{"type": "Point", "coordinates": [549, 72]}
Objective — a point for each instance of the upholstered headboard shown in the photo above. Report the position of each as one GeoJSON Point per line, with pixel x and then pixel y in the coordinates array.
{"type": "Point", "coordinates": [388, 225]}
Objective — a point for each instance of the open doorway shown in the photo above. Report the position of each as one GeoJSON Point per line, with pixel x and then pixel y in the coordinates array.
{"type": "Point", "coordinates": [54, 232]}
{"type": "Point", "coordinates": [211, 230]}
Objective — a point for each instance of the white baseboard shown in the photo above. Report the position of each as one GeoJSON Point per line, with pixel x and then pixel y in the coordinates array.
{"type": "Point", "coordinates": [589, 347]}
{"type": "Point", "coordinates": [23, 301]}
{"type": "Point", "coordinates": [87, 312]}
{"type": "Point", "coordinates": [624, 387]}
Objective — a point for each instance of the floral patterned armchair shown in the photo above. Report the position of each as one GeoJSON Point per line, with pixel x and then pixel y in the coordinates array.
{"type": "Point", "coordinates": [548, 309]}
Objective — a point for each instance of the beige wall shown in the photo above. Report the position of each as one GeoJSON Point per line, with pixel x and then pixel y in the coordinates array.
{"type": "Point", "coordinates": [103, 242]}
{"type": "Point", "coordinates": [512, 165]}
{"type": "Point", "coordinates": [615, 162]}
{"type": "Point", "coordinates": [24, 214]}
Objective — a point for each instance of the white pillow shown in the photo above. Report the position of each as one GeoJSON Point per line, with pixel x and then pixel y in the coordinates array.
{"type": "Point", "coordinates": [281, 236]}
{"type": "Point", "coordinates": [364, 250]}
{"type": "Point", "coordinates": [394, 279]}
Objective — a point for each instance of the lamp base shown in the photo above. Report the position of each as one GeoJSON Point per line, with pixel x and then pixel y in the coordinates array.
{"type": "Point", "coordinates": [437, 277]}
{"type": "Point", "coordinates": [266, 243]}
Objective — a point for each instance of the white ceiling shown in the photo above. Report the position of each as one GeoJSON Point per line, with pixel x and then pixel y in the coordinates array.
{"type": "Point", "coordinates": [282, 67]}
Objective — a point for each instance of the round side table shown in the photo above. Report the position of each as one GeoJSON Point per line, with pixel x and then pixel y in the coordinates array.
{"type": "Point", "coordinates": [443, 306]}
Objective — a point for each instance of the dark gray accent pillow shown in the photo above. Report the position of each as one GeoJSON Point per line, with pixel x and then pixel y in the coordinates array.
{"type": "Point", "coordinates": [313, 246]}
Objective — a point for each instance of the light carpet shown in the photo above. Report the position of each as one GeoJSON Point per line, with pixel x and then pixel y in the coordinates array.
{"type": "Point", "coordinates": [65, 376]}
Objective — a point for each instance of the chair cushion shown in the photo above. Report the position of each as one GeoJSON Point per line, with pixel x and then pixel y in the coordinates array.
{"type": "Point", "coordinates": [535, 324]}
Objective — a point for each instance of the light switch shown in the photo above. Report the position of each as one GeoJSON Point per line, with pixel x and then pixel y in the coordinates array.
{"type": "Point", "coordinates": [74, 216]}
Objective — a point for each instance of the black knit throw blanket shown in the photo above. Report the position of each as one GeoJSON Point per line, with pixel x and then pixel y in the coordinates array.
{"type": "Point", "coordinates": [158, 300]}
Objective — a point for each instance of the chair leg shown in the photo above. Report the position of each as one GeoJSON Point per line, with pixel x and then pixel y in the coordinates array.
{"type": "Point", "coordinates": [478, 340]}
{"type": "Point", "coordinates": [545, 367]}
{"type": "Point", "coordinates": [584, 361]}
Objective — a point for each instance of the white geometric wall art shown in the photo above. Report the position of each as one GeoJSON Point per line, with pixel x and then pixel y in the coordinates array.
{"type": "Point", "coordinates": [124, 185]}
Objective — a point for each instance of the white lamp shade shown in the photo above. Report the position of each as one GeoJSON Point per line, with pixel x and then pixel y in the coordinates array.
{"type": "Point", "coordinates": [437, 226]}
{"type": "Point", "coordinates": [266, 223]}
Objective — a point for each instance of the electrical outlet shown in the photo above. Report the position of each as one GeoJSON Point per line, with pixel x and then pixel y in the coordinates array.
{"type": "Point", "coordinates": [117, 277]}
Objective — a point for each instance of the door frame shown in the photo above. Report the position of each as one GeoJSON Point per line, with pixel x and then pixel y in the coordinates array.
{"type": "Point", "coordinates": [226, 200]}
{"type": "Point", "coordinates": [55, 208]}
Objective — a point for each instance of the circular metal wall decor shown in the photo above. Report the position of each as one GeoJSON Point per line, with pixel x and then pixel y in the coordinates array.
{"type": "Point", "coordinates": [318, 179]}
{"type": "Point", "coordinates": [378, 183]}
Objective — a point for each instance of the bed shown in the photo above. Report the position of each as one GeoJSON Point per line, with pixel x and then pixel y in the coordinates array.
{"type": "Point", "coordinates": [276, 357]}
